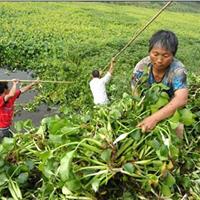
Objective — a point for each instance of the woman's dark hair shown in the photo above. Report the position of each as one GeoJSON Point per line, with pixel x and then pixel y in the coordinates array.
{"type": "Point", "coordinates": [95, 73]}
{"type": "Point", "coordinates": [3, 87]}
{"type": "Point", "coordinates": [164, 39]}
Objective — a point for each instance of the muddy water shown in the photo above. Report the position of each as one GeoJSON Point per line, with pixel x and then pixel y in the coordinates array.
{"type": "Point", "coordinates": [42, 110]}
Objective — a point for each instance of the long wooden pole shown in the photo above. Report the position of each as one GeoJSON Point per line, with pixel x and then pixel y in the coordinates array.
{"type": "Point", "coordinates": [142, 29]}
{"type": "Point", "coordinates": [138, 33]}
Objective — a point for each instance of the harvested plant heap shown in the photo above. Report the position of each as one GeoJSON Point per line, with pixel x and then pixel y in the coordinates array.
{"type": "Point", "coordinates": [101, 154]}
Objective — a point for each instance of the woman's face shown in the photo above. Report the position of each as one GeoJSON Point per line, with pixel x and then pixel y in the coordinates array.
{"type": "Point", "coordinates": [160, 58]}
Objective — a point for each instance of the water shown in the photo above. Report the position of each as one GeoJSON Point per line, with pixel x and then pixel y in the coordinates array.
{"type": "Point", "coordinates": [42, 110]}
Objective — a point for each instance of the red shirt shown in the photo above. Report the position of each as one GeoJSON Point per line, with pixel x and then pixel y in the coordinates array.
{"type": "Point", "coordinates": [7, 110]}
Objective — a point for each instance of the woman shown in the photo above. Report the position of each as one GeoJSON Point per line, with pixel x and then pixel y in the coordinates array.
{"type": "Point", "coordinates": [164, 68]}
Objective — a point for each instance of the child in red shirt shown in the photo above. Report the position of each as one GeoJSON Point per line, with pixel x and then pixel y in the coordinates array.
{"type": "Point", "coordinates": [7, 100]}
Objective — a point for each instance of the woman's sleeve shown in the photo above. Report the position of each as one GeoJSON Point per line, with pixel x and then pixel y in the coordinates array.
{"type": "Point", "coordinates": [180, 79]}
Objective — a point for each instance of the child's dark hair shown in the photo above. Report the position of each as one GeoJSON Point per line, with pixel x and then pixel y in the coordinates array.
{"type": "Point", "coordinates": [95, 73]}
{"type": "Point", "coordinates": [3, 87]}
{"type": "Point", "coordinates": [164, 39]}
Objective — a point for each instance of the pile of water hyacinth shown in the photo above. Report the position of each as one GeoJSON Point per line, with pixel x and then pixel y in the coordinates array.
{"type": "Point", "coordinates": [100, 154]}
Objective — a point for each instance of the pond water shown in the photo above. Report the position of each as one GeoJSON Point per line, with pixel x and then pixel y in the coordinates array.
{"type": "Point", "coordinates": [42, 110]}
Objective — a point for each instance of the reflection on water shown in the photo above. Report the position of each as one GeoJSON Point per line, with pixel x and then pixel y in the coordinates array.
{"type": "Point", "coordinates": [42, 111]}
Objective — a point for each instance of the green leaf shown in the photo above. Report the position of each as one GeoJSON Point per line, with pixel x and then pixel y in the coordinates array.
{"type": "Point", "coordinates": [136, 135]}
{"type": "Point", "coordinates": [95, 184]}
{"type": "Point", "coordinates": [175, 117]}
{"type": "Point", "coordinates": [18, 126]}
{"type": "Point", "coordinates": [166, 190]}
{"type": "Point", "coordinates": [1, 162]}
{"type": "Point", "coordinates": [56, 126]}
{"type": "Point", "coordinates": [3, 178]}
{"type": "Point", "coordinates": [186, 182]}
{"type": "Point", "coordinates": [187, 117]}
{"type": "Point", "coordinates": [164, 95]}
{"type": "Point", "coordinates": [162, 153]}
{"type": "Point", "coordinates": [162, 101]}
{"type": "Point", "coordinates": [29, 164]}
{"type": "Point", "coordinates": [66, 191]}
{"type": "Point", "coordinates": [86, 118]}
{"type": "Point", "coordinates": [128, 167]}
{"type": "Point", "coordinates": [45, 155]}
{"type": "Point", "coordinates": [70, 130]}
{"type": "Point", "coordinates": [197, 128]}
{"type": "Point", "coordinates": [170, 180]}
{"type": "Point", "coordinates": [106, 154]}
{"type": "Point", "coordinates": [65, 166]}
{"type": "Point", "coordinates": [22, 178]}
{"type": "Point", "coordinates": [56, 139]}
{"type": "Point", "coordinates": [174, 151]}
{"type": "Point", "coordinates": [73, 184]}
{"type": "Point", "coordinates": [1, 148]}
{"type": "Point", "coordinates": [174, 120]}
{"type": "Point", "coordinates": [146, 186]}
{"type": "Point", "coordinates": [162, 87]}
{"type": "Point", "coordinates": [8, 143]}
{"type": "Point", "coordinates": [152, 179]}
{"type": "Point", "coordinates": [174, 125]}
{"type": "Point", "coordinates": [154, 144]}
{"type": "Point", "coordinates": [157, 163]}
{"type": "Point", "coordinates": [125, 95]}
{"type": "Point", "coordinates": [47, 168]}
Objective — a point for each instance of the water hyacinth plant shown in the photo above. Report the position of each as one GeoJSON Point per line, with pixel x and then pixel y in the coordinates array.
{"type": "Point", "coordinates": [84, 156]}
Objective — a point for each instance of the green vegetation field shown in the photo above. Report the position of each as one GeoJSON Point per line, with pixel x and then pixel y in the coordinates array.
{"type": "Point", "coordinates": [71, 155]}
{"type": "Point", "coordinates": [65, 41]}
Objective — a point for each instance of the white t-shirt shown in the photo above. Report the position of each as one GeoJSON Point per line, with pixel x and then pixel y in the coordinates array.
{"type": "Point", "coordinates": [98, 88]}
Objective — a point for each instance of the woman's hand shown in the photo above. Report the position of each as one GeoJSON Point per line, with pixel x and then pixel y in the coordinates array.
{"type": "Point", "coordinates": [178, 101]}
{"type": "Point", "coordinates": [148, 124]}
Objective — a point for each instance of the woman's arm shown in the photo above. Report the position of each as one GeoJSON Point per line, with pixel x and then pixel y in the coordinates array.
{"type": "Point", "coordinates": [179, 100]}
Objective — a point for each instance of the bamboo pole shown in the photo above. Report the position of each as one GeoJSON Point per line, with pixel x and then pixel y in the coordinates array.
{"type": "Point", "coordinates": [138, 33]}
{"type": "Point", "coordinates": [39, 81]}
{"type": "Point", "coordinates": [142, 29]}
